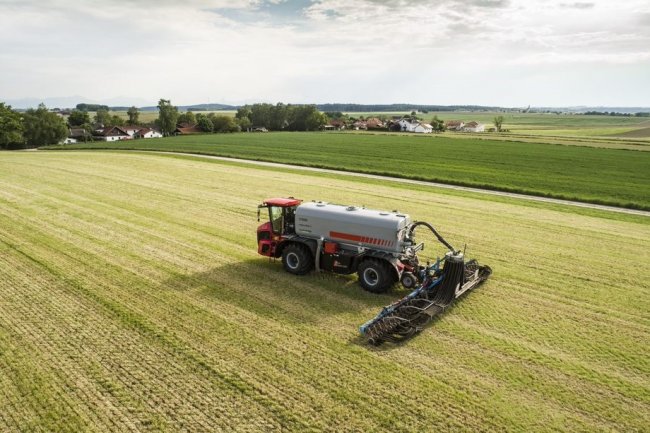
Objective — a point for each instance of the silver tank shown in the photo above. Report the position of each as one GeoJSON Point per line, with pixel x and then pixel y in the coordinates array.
{"type": "Point", "coordinates": [352, 226]}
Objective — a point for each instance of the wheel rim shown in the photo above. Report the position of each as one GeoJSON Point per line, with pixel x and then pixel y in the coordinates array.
{"type": "Point", "coordinates": [371, 277]}
{"type": "Point", "coordinates": [293, 261]}
{"type": "Point", "coordinates": [407, 282]}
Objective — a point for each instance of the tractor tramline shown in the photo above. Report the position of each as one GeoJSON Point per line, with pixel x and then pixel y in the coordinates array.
{"type": "Point", "coordinates": [379, 246]}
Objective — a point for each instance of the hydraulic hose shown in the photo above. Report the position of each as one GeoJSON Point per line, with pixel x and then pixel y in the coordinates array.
{"type": "Point", "coordinates": [430, 227]}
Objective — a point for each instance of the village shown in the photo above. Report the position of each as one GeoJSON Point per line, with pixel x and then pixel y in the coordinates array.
{"type": "Point", "coordinates": [133, 132]}
{"type": "Point", "coordinates": [404, 124]}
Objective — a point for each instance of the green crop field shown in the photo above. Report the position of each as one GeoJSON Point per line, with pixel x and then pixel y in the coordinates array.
{"type": "Point", "coordinates": [614, 130]}
{"type": "Point", "coordinates": [150, 116]}
{"type": "Point", "coordinates": [608, 176]}
{"type": "Point", "coordinates": [132, 299]}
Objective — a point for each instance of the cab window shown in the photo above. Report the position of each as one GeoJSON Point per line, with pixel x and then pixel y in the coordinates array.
{"type": "Point", "coordinates": [276, 218]}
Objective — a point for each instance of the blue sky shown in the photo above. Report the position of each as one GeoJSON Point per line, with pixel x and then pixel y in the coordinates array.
{"type": "Point", "coordinates": [487, 52]}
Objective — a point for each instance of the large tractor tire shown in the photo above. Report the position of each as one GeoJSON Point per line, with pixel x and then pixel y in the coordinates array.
{"type": "Point", "coordinates": [296, 259]}
{"type": "Point", "coordinates": [375, 275]}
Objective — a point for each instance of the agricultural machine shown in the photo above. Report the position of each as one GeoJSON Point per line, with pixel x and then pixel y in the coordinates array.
{"type": "Point", "coordinates": [380, 247]}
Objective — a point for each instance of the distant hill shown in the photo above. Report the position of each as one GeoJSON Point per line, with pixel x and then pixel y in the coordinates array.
{"type": "Point", "coordinates": [124, 103]}
{"type": "Point", "coordinates": [378, 108]}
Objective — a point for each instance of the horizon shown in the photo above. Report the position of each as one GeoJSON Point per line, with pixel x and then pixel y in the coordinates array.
{"type": "Point", "coordinates": [28, 103]}
{"type": "Point", "coordinates": [495, 53]}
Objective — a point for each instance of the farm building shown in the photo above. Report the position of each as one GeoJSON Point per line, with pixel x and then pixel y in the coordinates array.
{"type": "Point", "coordinates": [336, 124]}
{"type": "Point", "coordinates": [473, 127]}
{"type": "Point", "coordinates": [75, 135]}
{"type": "Point", "coordinates": [454, 125]}
{"type": "Point", "coordinates": [111, 133]}
{"type": "Point", "coordinates": [374, 123]}
{"type": "Point", "coordinates": [359, 124]}
{"type": "Point", "coordinates": [186, 129]}
{"type": "Point", "coordinates": [147, 133]}
{"type": "Point", "coordinates": [419, 127]}
{"type": "Point", "coordinates": [130, 129]}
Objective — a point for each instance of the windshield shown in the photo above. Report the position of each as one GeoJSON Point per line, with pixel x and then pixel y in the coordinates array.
{"type": "Point", "coordinates": [276, 218]}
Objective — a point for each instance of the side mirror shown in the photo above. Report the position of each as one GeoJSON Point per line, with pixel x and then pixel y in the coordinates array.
{"type": "Point", "coordinates": [258, 214]}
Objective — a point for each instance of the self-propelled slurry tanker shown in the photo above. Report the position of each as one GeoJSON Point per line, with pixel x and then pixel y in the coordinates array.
{"type": "Point", "coordinates": [379, 246]}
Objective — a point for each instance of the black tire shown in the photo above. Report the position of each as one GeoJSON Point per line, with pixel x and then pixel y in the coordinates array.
{"type": "Point", "coordinates": [375, 276]}
{"type": "Point", "coordinates": [408, 280]}
{"type": "Point", "coordinates": [296, 259]}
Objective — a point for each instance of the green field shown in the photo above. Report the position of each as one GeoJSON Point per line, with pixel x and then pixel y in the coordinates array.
{"type": "Point", "coordinates": [607, 176]}
{"type": "Point", "coordinates": [132, 299]}
{"type": "Point", "coordinates": [150, 116]}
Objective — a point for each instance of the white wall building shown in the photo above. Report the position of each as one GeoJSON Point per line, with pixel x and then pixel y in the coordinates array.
{"type": "Point", "coordinates": [408, 126]}
{"type": "Point", "coordinates": [147, 133]}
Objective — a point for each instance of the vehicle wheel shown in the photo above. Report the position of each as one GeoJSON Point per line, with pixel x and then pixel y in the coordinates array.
{"type": "Point", "coordinates": [374, 275]}
{"type": "Point", "coordinates": [296, 259]}
{"type": "Point", "coordinates": [408, 280]}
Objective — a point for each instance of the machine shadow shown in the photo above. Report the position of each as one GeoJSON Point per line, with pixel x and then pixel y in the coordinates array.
{"type": "Point", "coordinates": [263, 287]}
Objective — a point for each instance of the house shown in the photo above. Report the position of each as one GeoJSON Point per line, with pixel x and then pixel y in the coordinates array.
{"type": "Point", "coordinates": [147, 133]}
{"type": "Point", "coordinates": [111, 133]}
{"type": "Point", "coordinates": [131, 129]}
{"type": "Point", "coordinates": [423, 128]}
{"type": "Point", "coordinates": [75, 135]}
{"type": "Point", "coordinates": [454, 125]}
{"type": "Point", "coordinates": [407, 126]}
{"type": "Point", "coordinates": [186, 129]}
{"type": "Point", "coordinates": [473, 127]}
{"type": "Point", "coordinates": [336, 124]}
{"type": "Point", "coordinates": [374, 123]}
{"type": "Point", "coordinates": [360, 124]}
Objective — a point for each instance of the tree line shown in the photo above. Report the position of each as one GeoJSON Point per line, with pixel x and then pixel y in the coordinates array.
{"type": "Point", "coordinates": [616, 114]}
{"type": "Point", "coordinates": [279, 117]}
{"type": "Point", "coordinates": [34, 127]}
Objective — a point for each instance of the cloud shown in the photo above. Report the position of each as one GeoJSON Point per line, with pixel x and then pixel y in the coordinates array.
{"type": "Point", "coordinates": [306, 50]}
{"type": "Point", "coordinates": [578, 5]}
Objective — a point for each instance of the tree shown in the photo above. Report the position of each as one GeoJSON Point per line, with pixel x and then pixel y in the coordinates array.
{"type": "Point", "coordinates": [167, 116]}
{"type": "Point", "coordinates": [78, 118]}
{"type": "Point", "coordinates": [43, 127]}
{"type": "Point", "coordinates": [91, 107]}
{"type": "Point", "coordinates": [115, 120]}
{"type": "Point", "coordinates": [315, 120]}
{"type": "Point", "coordinates": [204, 123]}
{"type": "Point", "coordinates": [261, 115]}
{"type": "Point", "coordinates": [244, 123]}
{"type": "Point", "coordinates": [437, 124]}
{"type": "Point", "coordinates": [11, 127]}
{"type": "Point", "coordinates": [279, 116]}
{"type": "Point", "coordinates": [134, 115]}
{"type": "Point", "coordinates": [498, 122]}
{"type": "Point", "coordinates": [224, 124]}
{"type": "Point", "coordinates": [305, 118]}
{"type": "Point", "coordinates": [102, 116]}
{"type": "Point", "coordinates": [187, 117]}
{"type": "Point", "coordinates": [244, 113]}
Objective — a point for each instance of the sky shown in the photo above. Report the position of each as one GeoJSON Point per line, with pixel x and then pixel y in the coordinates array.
{"type": "Point", "coordinates": [510, 53]}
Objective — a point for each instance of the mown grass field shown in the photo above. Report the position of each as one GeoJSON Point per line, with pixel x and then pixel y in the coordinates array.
{"type": "Point", "coordinates": [607, 176]}
{"type": "Point", "coordinates": [132, 299]}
